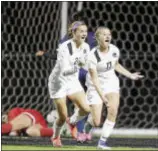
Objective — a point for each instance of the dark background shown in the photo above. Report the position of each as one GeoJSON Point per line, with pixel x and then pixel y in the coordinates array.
{"type": "Point", "coordinates": [29, 26]}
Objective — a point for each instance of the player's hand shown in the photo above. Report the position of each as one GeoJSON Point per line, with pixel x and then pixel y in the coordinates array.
{"type": "Point", "coordinates": [40, 53]}
{"type": "Point", "coordinates": [136, 76]}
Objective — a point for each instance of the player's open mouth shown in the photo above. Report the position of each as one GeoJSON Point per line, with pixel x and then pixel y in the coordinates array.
{"type": "Point", "coordinates": [83, 37]}
{"type": "Point", "coordinates": [107, 40]}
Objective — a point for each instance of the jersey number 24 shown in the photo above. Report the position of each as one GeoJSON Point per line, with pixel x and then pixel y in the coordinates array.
{"type": "Point", "coordinates": [108, 65]}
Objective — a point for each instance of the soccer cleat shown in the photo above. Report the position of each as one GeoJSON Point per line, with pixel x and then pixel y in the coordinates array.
{"type": "Point", "coordinates": [102, 145]}
{"type": "Point", "coordinates": [88, 137]}
{"type": "Point", "coordinates": [81, 137]}
{"type": "Point", "coordinates": [56, 142]}
{"type": "Point", "coordinates": [73, 129]}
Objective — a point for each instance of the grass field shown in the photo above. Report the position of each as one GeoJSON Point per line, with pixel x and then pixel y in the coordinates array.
{"type": "Point", "coordinates": [21, 147]}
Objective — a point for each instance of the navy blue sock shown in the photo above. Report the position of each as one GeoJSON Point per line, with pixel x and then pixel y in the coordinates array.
{"type": "Point", "coordinates": [80, 124]}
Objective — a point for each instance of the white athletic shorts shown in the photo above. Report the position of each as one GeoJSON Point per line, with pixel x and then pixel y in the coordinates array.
{"type": "Point", "coordinates": [92, 97]}
{"type": "Point", "coordinates": [66, 89]}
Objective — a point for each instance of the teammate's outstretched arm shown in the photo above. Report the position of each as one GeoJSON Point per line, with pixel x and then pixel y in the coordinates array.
{"type": "Point", "coordinates": [46, 54]}
{"type": "Point", "coordinates": [134, 76]}
{"type": "Point", "coordinates": [40, 52]}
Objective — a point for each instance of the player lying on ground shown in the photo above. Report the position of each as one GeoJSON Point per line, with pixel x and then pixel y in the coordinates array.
{"type": "Point", "coordinates": [27, 121]}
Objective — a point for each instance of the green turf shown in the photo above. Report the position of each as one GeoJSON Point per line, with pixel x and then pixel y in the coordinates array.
{"type": "Point", "coordinates": [21, 147]}
{"type": "Point", "coordinates": [134, 136]}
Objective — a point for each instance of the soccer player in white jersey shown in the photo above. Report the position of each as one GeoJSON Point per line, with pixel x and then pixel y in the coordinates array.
{"type": "Point", "coordinates": [63, 80]}
{"type": "Point", "coordinates": [103, 84]}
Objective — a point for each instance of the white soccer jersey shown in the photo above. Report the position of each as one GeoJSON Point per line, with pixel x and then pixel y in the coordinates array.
{"type": "Point", "coordinates": [104, 64]}
{"type": "Point", "coordinates": [67, 66]}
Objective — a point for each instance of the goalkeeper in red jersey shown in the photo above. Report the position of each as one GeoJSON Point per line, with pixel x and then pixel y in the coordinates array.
{"type": "Point", "coordinates": [29, 121]}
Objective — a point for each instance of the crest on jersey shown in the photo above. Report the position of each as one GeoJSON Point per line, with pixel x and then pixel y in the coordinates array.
{"type": "Point", "coordinates": [114, 54]}
{"type": "Point", "coordinates": [84, 51]}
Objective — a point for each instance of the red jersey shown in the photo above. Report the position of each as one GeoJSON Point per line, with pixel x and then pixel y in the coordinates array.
{"type": "Point", "coordinates": [14, 113]}
{"type": "Point", "coordinates": [39, 119]}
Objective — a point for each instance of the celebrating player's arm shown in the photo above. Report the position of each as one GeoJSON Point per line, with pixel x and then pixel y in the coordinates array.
{"type": "Point", "coordinates": [134, 76]}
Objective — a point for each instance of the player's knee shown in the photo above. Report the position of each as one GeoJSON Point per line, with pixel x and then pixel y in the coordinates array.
{"type": "Point", "coordinates": [62, 118]}
{"type": "Point", "coordinates": [29, 132]}
{"type": "Point", "coordinates": [85, 109]}
{"type": "Point", "coordinates": [32, 132]}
